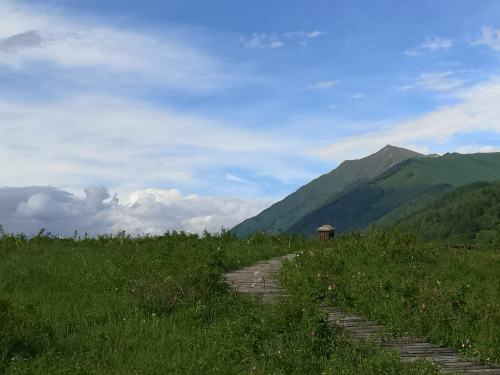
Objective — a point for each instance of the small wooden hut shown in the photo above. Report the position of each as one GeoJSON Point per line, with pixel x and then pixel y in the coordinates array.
{"type": "Point", "coordinates": [325, 232]}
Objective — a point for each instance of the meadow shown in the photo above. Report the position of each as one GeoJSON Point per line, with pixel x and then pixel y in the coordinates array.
{"type": "Point", "coordinates": [447, 294]}
{"type": "Point", "coordinates": [157, 305]}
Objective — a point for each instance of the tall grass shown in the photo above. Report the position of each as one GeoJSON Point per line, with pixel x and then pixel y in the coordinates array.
{"type": "Point", "coordinates": [447, 295]}
{"type": "Point", "coordinates": [158, 305]}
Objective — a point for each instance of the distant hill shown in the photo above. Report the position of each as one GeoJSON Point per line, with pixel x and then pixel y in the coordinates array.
{"type": "Point", "coordinates": [284, 215]}
{"type": "Point", "coordinates": [401, 189]}
{"type": "Point", "coordinates": [470, 213]}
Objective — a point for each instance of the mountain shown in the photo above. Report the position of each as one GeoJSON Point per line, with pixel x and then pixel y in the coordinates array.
{"type": "Point", "coordinates": [468, 214]}
{"type": "Point", "coordinates": [283, 215]}
{"type": "Point", "coordinates": [401, 189]}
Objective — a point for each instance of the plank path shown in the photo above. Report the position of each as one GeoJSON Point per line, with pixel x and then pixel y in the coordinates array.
{"type": "Point", "coordinates": [259, 280]}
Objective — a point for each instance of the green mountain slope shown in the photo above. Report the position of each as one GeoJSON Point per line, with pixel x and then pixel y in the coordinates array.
{"type": "Point", "coordinates": [470, 213]}
{"type": "Point", "coordinates": [282, 215]}
{"type": "Point", "coordinates": [396, 191]}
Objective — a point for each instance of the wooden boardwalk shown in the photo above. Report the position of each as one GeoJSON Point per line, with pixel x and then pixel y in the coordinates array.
{"type": "Point", "coordinates": [259, 280]}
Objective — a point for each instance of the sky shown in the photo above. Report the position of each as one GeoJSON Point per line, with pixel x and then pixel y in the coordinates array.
{"type": "Point", "coordinates": [157, 115]}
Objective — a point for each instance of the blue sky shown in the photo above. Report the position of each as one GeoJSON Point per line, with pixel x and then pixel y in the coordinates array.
{"type": "Point", "coordinates": [237, 100]}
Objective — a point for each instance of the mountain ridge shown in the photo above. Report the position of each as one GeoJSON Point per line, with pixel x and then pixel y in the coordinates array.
{"type": "Point", "coordinates": [281, 216]}
{"type": "Point", "coordinates": [401, 189]}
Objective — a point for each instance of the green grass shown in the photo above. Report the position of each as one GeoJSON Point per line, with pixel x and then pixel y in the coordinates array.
{"type": "Point", "coordinates": [120, 305]}
{"type": "Point", "coordinates": [444, 294]}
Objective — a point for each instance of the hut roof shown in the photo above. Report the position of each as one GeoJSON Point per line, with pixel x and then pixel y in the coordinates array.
{"type": "Point", "coordinates": [325, 228]}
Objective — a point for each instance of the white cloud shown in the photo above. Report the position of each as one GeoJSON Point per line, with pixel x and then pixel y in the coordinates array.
{"type": "Point", "coordinates": [322, 85]}
{"type": "Point", "coordinates": [31, 36]}
{"type": "Point", "coordinates": [405, 87]}
{"type": "Point", "coordinates": [471, 149]}
{"type": "Point", "coordinates": [478, 110]}
{"type": "Point", "coordinates": [412, 52]}
{"type": "Point", "coordinates": [303, 35]}
{"type": "Point", "coordinates": [436, 43]}
{"type": "Point", "coordinates": [231, 177]}
{"type": "Point", "coordinates": [117, 139]}
{"type": "Point", "coordinates": [262, 41]}
{"type": "Point", "coordinates": [276, 44]}
{"type": "Point", "coordinates": [151, 211]}
{"type": "Point", "coordinates": [490, 38]}
{"type": "Point", "coordinates": [316, 33]}
{"type": "Point", "coordinates": [274, 41]}
{"type": "Point", "coordinates": [430, 44]}
{"type": "Point", "coordinates": [439, 81]}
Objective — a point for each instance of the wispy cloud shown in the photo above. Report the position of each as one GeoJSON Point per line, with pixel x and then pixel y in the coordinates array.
{"type": "Point", "coordinates": [262, 41]}
{"type": "Point", "coordinates": [29, 37]}
{"type": "Point", "coordinates": [430, 44]}
{"type": "Point", "coordinates": [233, 178]}
{"type": "Point", "coordinates": [120, 138]}
{"type": "Point", "coordinates": [304, 35]}
{"type": "Point", "coordinates": [274, 41]}
{"type": "Point", "coordinates": [436, 43]}
{"type": "Point", "coordinates": [477, 111]}
{"type": "Point", "coordinates": [439, 81]}
{"type": "Point", "coordinates": [490, 37]}
{"type": "Point", "coordinates": [434, 81]}
{"type": "Point", "coordinates": [470, 149]}
{"type": "Point", "coordinates": [323, 85]}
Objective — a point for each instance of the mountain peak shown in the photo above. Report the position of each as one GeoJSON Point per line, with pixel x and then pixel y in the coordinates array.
{"type": "Point", "coordinates": [284, 214]}
{"type": "Point", "coordinates": [390, 154]}
{"type": "Point", "coordinates": [387, 148]}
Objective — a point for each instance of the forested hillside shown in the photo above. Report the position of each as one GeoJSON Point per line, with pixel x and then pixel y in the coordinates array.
{"type": "Point", "coordinates": [399, 190]}
{"type": "Point", "coordinates": [470, 213]}
{"type": "Point", "coordinates": [281, 216]}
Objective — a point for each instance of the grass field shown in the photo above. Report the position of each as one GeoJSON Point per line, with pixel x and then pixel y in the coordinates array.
{"type": "Point", "coordinates": [120, 305]}
{"type": "Point", "coordinates": [447, 295]}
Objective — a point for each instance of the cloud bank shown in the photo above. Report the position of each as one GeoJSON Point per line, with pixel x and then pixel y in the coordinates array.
{"type": "Point", "coordinates": [152, 211]}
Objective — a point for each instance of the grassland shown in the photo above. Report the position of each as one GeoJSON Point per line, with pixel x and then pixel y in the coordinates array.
{"type": "Point", "coordinates": [158, 305]}
{"type": "Point", "coordinates": [445, 294]}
